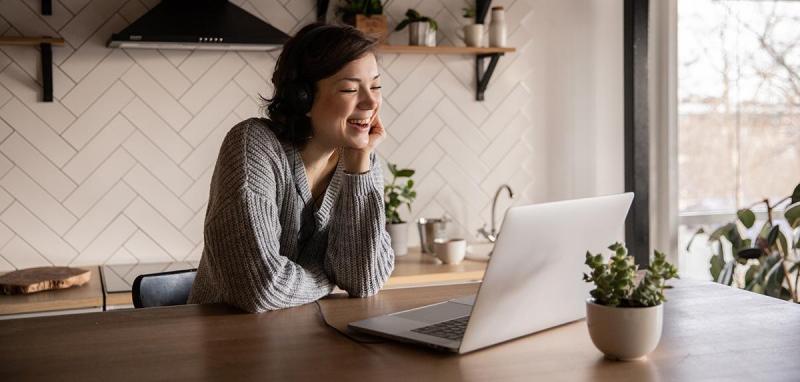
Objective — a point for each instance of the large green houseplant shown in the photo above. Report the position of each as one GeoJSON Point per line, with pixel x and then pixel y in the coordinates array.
{"type": "Point", "coordinates": [396, 194]}
{"type": "Point", "coordinates": [767, 262]}
{"type": "Point", "coordinates": [625, 317]}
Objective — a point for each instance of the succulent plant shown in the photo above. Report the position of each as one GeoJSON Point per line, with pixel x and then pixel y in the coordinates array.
{"type": "Point", "coordinates": [615, 280]}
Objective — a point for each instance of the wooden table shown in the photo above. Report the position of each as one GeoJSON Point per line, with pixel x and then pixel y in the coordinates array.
{"type": "Point", "coordinates": [85, 298]}
{"type": "Point", "coordinates": [711, 332]}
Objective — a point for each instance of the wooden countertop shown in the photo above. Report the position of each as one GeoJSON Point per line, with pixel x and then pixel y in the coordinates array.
{"type": "Point", "coordinates": [711, 332]}
{"type": "Point", "coordinates": [89, 295]}
{"type": "Point", "coordinates": [413, 269]}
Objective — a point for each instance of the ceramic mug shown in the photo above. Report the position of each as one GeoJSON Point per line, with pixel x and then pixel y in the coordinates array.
{"type": "Point", "coordinates": [450, 251]}
{"type": "Point", "coordinates": [473, 35]}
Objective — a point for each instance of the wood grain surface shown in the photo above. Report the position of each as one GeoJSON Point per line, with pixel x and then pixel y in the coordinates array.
{"type": "Point", "coordinates": [711, 332]}
{"type": "Point", "coordinates": [40, 279]}
{"type": "Point", "coordinates": [87, 296]}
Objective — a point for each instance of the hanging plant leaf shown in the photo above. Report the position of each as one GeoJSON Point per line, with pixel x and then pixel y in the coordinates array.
{"type": "Point", "coordinates": [792, 215]}
{"type": "Point", "coordinates": [796, 194]}
{"type": "Point", "coordinates": [749, 253]}
{"type": "Point", "coordinates": [717, 263]}
{"type": "Point", "coordinates": [726, 277]}
{"type": "Point", "coordinates": [747, 217]}
{"type": "Point", "coordinates": [773, 235]}
{"type": "Point", "coordinates": [721, 231]}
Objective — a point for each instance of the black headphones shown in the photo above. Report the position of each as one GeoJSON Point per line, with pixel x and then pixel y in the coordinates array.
{"type": "Point", "coordinates": [299, 93]}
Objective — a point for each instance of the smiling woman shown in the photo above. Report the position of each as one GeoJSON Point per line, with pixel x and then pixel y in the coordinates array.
{"type": "Point", "coordinates": [296, 200]}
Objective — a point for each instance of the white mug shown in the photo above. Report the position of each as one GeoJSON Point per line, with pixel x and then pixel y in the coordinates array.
{"type": "Point", "coordinates": [473, 35]}
{"type": "Point", "coordinates": [450, 251]}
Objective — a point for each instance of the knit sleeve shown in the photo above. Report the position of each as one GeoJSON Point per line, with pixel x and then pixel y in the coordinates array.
{"type": "Point", "coordinates": [359, 258]}
{"type": "Point", "coordinates": [243, 241]}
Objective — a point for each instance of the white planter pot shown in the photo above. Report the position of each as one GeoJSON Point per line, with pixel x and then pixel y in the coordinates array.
{"type": "Point", "coordinates": [624, 333]}
{"type": "Point", "coordinates": [399, 236]}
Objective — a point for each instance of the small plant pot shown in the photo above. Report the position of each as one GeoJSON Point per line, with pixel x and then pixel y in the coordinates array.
{"type": "Point", "coordinates": [418, 33]}
{"type": "Point", "coordinates": [375, 25]}
{"type": "Point", "coordinates": [399, 235]}
{"type": "Point", "coordinates": [624, 334]}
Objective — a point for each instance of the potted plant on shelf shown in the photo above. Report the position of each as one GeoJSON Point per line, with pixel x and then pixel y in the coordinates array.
{"type": "Point", "coordinates": [396, 194]}
{"type": "Point", "coordinates": [766, 263]}
{"type": "Point", "coordinates": [473, 32]}
{"type": "Point", "coordinates": [366, 15]}
{"type": "Point", "coordinates": [421, 29]}
{"type": "Point", "coordinates": [625, 319]}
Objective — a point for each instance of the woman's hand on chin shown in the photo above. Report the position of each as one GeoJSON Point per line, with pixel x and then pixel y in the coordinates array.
{"type": "Point", "coordinates": [356, 160]}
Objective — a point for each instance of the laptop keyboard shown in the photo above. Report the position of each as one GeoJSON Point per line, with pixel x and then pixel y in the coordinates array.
{"type": "Point", "coordinates": [451, 329]}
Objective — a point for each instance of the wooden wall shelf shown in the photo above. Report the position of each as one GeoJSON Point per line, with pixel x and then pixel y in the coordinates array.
{"type": "Point", "coordinates": [45, 47]}
{"type": "Point", "coordinates": [442, 49]}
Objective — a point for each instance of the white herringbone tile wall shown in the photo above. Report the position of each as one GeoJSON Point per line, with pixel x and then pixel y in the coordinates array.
{"type": "Point", "coordinates": [117, 168]}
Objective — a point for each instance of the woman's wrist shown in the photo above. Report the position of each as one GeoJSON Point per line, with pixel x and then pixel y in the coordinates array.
{"type": "Point", "coordinates": [356, 161]}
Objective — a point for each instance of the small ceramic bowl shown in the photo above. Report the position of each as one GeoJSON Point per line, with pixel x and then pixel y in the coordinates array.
{"type": "Point", "coordinates": [450, 251]}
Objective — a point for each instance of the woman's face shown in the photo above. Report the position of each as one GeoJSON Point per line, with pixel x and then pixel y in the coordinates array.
{"type": "Point", "coordinates": [346, 103]}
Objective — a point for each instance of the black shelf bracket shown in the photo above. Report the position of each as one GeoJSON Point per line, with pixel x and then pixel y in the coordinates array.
{"type": "Point", "coordinates": [47, 71]}
{"type": "Point", "coordinates": [322, 10]}
{"type": "Point", "coordinates": [484, 75]}
{"type": "Point", "coordinates": [47, 7]}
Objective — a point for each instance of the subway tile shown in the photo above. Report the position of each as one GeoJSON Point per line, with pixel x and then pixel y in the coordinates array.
{"type": "Point", "coordinates": [197, 195]}
{"type": "Point", "coordinates": [211, 82]}
{"type": "Point", "coordinates": [213, 114]}
{"type": "Point", "coordinates": [158, 228]}
{"type": "Point", "coordinates": [413, 115]}
{"type": "Point", "coordinates": [85, 58]}
{"type": "Point", "coordinates": [149, 156]}
{"type": "Point", "coordinates": [161, 70]}
{"type": "Point", "coordinates": [422, 135]}
{"type": "Point", "coordinates": [149, 124]}
{"type": "Point", "coordinates": [21, 255]}
{"type": "Point", "coordinates": [146, 250]}
{"type": "Point", "coordinates": [461, 154]}
{"type": "Point", "coordinates": [38, 201]}
{"type": "Point", "coordinates": [90, 17]}
{"type": "Point", "coordinates": [156, 97]}
{"type": "Point", "coordinates": [100, 216]}
{"type": "Point", "coordinates": [417, 80]}
{"type": "Point", "coordinates": [98, 149]}
{"type": "Point", "coordinates": [27, 90]}
{"type": "Point", "coordinates": [99, 183]}
{"type": "Point", "coordinates": [24, 20]}
{"type": "Point", "coordinates": [37, 234]}
{"type": "Point", "coordinates": [97, 81]}
{"type": "Point", "coordinates": [158, 196]}
{"type": "Point", "coordinates": [107, 243]}
{"type": "Point", "coordinates": [194, 228]}
{"type": "Point", "coordinates": [30, 160]}
{"type": "Point", "coordinates": [27, 124]}
{"type": "Point", "coordinates": [205, 155]}
{"type": "Point", "coordinates": [461, 125]}
{"type": "Point", "coordinates": [198, 63]}
{"type": "Point", "coordinates": [98, 115]}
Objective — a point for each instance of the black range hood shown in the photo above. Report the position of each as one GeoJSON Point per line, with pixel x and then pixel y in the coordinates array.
{"type": "Point", "coordinates": [199, 24]}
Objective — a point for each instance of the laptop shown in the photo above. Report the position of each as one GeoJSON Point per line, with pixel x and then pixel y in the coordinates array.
{"type": "Point", "coordinates": [533, 280]}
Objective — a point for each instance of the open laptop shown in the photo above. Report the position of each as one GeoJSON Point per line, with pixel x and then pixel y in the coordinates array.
{"type": "Point", "coordinates": [533, 280]}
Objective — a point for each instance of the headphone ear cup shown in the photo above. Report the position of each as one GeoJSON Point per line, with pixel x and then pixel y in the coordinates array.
{"type": "Point", "coordinates": [304, 98]}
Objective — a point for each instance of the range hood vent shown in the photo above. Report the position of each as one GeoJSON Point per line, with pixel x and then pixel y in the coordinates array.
{"type": "Point", "coordinates": [199, 24]}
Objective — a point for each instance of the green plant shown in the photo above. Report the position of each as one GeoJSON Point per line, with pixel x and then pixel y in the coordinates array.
{"type": "Point", "coordinates": [348, 9]}
{"type": "Point", "coordinates": [395, 195]}
{"type": "Point", "coordinates": [768, 261]}
{"type": "Point", "coordinates": [615, 280]}
{"type": "Point", "coordinates": [414, 16]}
{"type": "Point", "coordinates": [469, 12]}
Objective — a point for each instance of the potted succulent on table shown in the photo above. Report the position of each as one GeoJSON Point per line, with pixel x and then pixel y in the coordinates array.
{"type": "Point", "coordinates": [625, 318]}
{"type": "Point", "coordinates": [421, 29]}
{"type": "Point", "coordinates": [395, 195]}
{"type": "Point", "coordinates": [366, 15]}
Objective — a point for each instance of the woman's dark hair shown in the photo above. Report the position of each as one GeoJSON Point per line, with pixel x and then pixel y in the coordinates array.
{"type": "Point", "coordinates": [316, 52]}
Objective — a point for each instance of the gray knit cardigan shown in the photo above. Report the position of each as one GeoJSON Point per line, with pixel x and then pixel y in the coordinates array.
{"type": "Point", "coordinates": [268, 247]}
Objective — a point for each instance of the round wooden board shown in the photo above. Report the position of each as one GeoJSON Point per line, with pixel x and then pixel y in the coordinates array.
{"type": "Point", "coordinates": [40, 279]}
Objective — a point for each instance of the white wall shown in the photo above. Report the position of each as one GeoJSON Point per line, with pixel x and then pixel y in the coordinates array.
{"type": "Point", "coordinates": [116, 170]}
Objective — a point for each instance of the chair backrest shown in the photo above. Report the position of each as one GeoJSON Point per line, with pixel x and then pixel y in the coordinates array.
{"type": "Point", "coordinates": [163, 289]}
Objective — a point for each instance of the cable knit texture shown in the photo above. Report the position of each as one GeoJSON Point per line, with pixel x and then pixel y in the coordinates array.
{"type": "Point", "coordinates": [268, 247]}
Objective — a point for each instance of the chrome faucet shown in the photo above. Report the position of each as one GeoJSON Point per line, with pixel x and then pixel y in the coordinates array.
{"type": "Point", "coordinates": [492, 235]}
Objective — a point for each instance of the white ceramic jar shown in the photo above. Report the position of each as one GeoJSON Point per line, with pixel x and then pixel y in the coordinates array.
{"type": "Point", "coordinates": [497, 28]}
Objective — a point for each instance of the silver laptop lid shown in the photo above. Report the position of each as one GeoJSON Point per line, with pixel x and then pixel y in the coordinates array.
{"type": "Point", "coordinates": [533, 281]}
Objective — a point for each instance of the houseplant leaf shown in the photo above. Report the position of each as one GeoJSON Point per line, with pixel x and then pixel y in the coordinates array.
{"type": "Point", "coordinates": [749, 253]}
{"type": "Point", "coordinates": [796, 194]}
{"type": "Point", "coordinates": [747, 217]}
{"type": "Point", "coordinates": [792, 215]}
{"type": "Point", "coordinates": [698, 232]}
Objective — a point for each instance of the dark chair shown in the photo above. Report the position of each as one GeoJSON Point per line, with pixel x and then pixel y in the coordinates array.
{"type": "Point", "coordinates": [163, 289]}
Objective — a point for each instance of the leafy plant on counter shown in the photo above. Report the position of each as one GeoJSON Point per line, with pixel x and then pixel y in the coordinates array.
{"type": "Point", "coordinates": [348, 9]}
{"type": "Point", "coordinates": [615, 284]}
{"type": "Point", "coordinates": [395, 195]}
{"type": "Point", "coordinates": [413, 16]}
{"type": "Point", "coordinates": [770, 261]}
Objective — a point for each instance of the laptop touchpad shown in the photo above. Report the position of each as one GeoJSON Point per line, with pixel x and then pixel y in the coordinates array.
{"type": "Point", "coordinates": [437, 313]}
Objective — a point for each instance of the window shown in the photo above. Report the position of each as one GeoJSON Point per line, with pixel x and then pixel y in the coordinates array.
{"type": "Point", "coordinates": [738, 110]}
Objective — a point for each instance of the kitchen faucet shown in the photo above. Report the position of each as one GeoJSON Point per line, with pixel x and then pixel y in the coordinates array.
{"type": "Point", "coordinates": [492, 235]}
